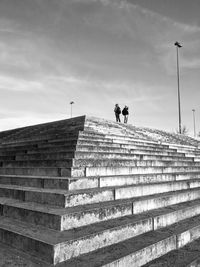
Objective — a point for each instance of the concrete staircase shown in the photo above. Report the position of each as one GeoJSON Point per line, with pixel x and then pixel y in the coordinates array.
{"type": "Point", "coordinates": [91, 192]}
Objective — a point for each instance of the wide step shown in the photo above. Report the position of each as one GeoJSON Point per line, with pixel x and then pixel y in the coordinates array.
{"type": "Point", "coordinates": [140, 250]}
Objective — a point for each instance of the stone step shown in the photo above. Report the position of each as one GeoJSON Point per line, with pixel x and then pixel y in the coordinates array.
{"type": "Point", "coordinates": [97, 163]}
{"type": "Point", "coordinates": [155, 188]}
{"type": "Point", "coordinates": [11, 157]}
{"type": "Point", "coordinates": [186, 256]}
{"type": "Point", "coordinates": [57, 197]}
{"type": "Point", "coordinates": [107, 171]}
{"type": "Point", "coordinates": [79, 216]}
{"type": "Point", "coordinates": [43, 138]}
{"type": "Point", "coordinates": [107, 142]}
{"type": "Point", "coordinates": [55, 247]}
{"type": "Point", "coordinates": [121, 144]}
{"type": "Point", "coordinates": [131, 155]}
{"type": "Point", "coordinates": [19, 148]}
{"type": "Point", "coordinates": [122, 163]}
{"type": "Point", "coordinates": [42, 171]}
{"type": "Point", "coordinates": [77, 183]}
{"type": "Point", "coordinates": [119, 136]}
{"type": "Point", "coordinates": [74, 124]}
{"type": "Point", "coordinates": [124, 146]}
{"type": "Point", "coordinates": [124, 180]}
{"type": "Point", "coordinates": [40, 163]}
{"type": "Point", "coordinates": [94, 155]}
{"type": "Point", "coordinates": [86, 148]}
{"type": "Point", "coordinates": [142, 249]}
{"type": "Point", "coordinates": [67, 148]}
{"type": "Point", "coordinates": [40, 139]}
{"type": "Point", "coordinates": [122, 139]}
{"type": "Point", "coordinates": [64, 219]}
{"type": "Point", "coordinates": [46, 182]}
{"type": "Point", "coordinates": [48, 156]}
{"type": "Point", "coordinates": [64, 198]}
{"type": "Point", "coordinates": [47, 143]}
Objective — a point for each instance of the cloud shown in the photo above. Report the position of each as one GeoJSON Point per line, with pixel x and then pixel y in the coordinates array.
{"type": "Point", "coordinates": [9, 83]}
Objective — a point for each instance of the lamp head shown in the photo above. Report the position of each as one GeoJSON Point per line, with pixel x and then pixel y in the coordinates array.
{"type": "Point", "coordinates": [177, 44]}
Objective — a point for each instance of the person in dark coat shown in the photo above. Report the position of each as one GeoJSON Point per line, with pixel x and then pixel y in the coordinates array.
{"type": "Point", "coordinates": [125, 113]}
{"type": "Point", "coordinates": [117, 111]}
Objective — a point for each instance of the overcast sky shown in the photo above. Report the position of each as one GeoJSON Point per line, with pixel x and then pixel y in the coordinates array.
{"type": "Point", "coordinates": [98, 53]}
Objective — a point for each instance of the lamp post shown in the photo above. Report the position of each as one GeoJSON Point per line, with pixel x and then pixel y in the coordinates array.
{"type": "Point", "coordinates": [71, 103]}
{"type": "Point", "coordinates": [178, 45]}
{"type": "Point", "coordinates": [194, 122]}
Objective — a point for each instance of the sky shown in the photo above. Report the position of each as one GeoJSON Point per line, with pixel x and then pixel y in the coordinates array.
{"type": "Point", "coordinates": [98, 53]}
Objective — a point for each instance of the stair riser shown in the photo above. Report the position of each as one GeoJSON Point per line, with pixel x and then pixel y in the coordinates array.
{"type": "Point", "coordinates": [40, 145]}
{"type": "Point", "coordinates": [173, 217]}
{"type": "Point", "coordinates": [58, 143]}
{"type": "Point", "coordinates": [86, 183]}
{"type": "Point", "coordinates": [38, 197]}
{"type": "Point", "coordinates": [143, 205]}
{"type": "Point", "coordinates": [38, 163]}
{"type": "Point", "coordinates": [76, 199]}
{"type": "Point", "coordinates": [36, 182]}
{"type": "Point", "coordinates": [107, 171]}
{"type": "Point", "coordinates": [123, 145]}
{"type": "Point", "coordinates": [117, 139]}
{"type": "Point", "coordinates": [40, 140]}
{"type": "Point", "coordinates": [85, 148]}
{"type": "Point", "coordinates": [33, 247]}
{"type": "Point", "coordinates": [151, 189]}
{"type": "Point", "coordinates": [125, 163]}
{"type": "Point", "coordinates": [97, 156]}
{"type": "Point", "coordinates": [118, 156]}
{"type": "Point", "coordinates": [146, 179]}
{"type": "Point", "coordinates": [34, 151]}
{"type": "Point", "coordinates": [56, 149]}
{"type": "Point", "coordinates": [47, 156]}
{"type": "Point", "coordinates": [35, 171]}
{"type": "Point", "coordinates": [38, 218]}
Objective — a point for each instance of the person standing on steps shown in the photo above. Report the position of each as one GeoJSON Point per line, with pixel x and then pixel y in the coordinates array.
{"type": "Point", "coordinates": [117, 111]}
{"type": "Point", "coordinates": [125, 113]}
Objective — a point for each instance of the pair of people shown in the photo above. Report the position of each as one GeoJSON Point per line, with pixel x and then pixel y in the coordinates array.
{"type": "Point", "coordinates": [125, 113]}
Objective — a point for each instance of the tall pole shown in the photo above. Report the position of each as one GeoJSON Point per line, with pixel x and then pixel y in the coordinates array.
{"type": "Point", "coordinates": [194, 122]}
{"type": "Point", "coordinates": [71, 103]}
{"type": "Point", "coordinates": [178, 83]}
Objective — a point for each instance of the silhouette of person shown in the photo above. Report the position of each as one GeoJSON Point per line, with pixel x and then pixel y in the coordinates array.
{"type": "Point", "coordinates": [117, 111]}
{"type": "Point", "coordinates": [125, 113]}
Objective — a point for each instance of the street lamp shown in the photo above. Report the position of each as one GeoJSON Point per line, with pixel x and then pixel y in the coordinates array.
{"type": "Point", "coordinates": [194, 123]}
{"type": "Point", "coordinates": [71, 103]}
{"type": "Point", "coordinates": [178, 45]}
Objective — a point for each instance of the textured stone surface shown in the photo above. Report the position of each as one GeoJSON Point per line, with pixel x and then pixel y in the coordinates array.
{"type": "Point", "coordinates": [90, 191]}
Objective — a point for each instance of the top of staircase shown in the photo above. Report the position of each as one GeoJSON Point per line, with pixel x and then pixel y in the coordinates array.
{"type": "Point", "coordinates": [102, 126]}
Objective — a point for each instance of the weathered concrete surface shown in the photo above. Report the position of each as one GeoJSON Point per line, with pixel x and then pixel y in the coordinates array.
{"type": "Point", "coordinates": [10, 257]}
{"type": "Point", "coordinates": [139, 250]}
{"type": "Point", "coordinates": [72, 187]}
